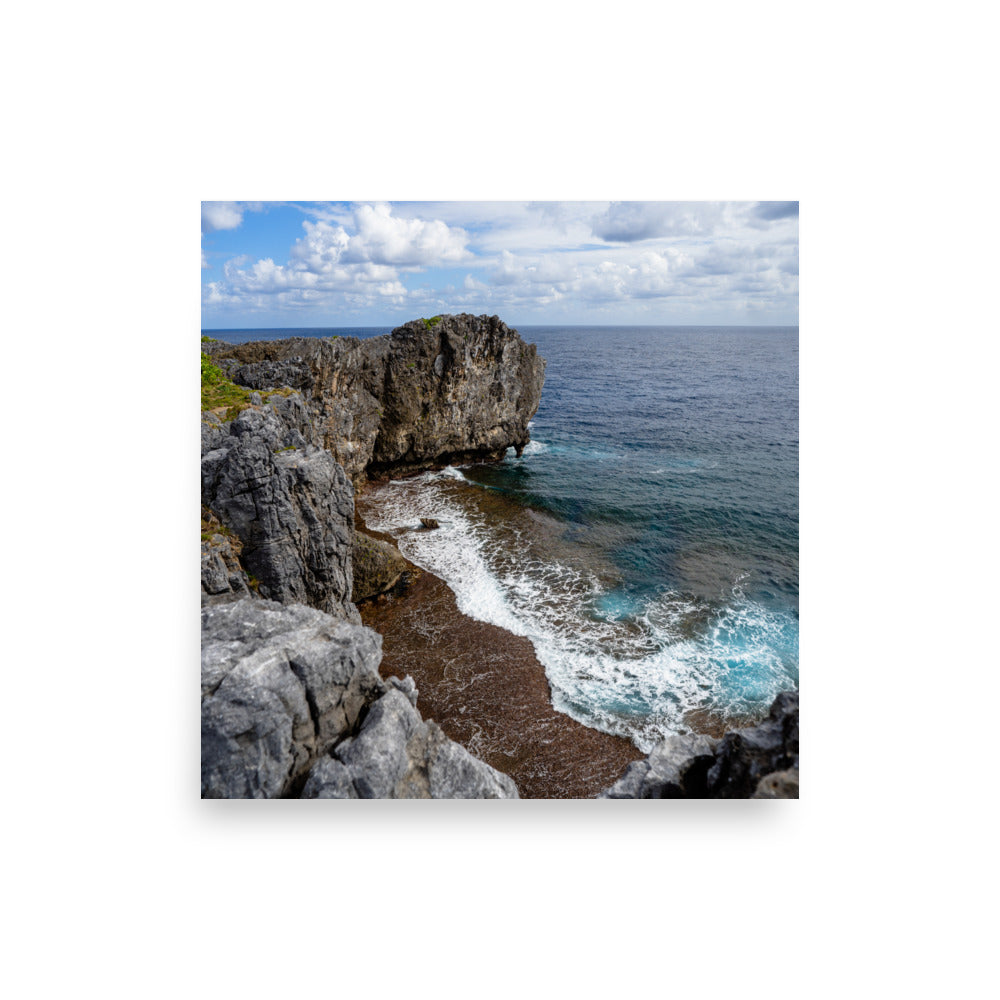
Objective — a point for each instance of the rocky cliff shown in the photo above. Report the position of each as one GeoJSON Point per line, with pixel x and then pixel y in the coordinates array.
{"type": "Point", "coordinates": [293, 706]}
{"type": "Point", "coordinates": [289, 504]}
{"type": "Point", "coordinates": [433, 392]}
{"type": "Point", "coordinates": [292, 702]}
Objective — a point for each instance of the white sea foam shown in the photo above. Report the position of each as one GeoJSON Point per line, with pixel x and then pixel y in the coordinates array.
{"type": "Point", "coordinates": [534, 447]}
{"type": "Point", "coordinates": [634, 671]}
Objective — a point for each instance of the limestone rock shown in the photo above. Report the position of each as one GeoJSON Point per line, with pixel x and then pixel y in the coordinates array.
{"type": "Point", "coordinates": [292, 705]}
{"type": "Point", "coordinates": [459, 389]}
{"type": "Point", "coordinates": [329, 779]}
{"type": "Point", "coordinates": [397, 755]}
{"type": "Point", "coordinates": [376, 565]}
{"type": "Point", "coordinates": [662, 775]}
{"type": "Point", "coordinates": [290, 504]}
{"type": "Point", "coordinates": [280, 686]}
{"type": "Point", "coordinates": [222, 575]}
{"type": "Point", "coordinates": [759, 762]}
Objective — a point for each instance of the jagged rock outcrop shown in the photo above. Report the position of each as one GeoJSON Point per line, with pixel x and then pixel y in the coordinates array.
{"type": "Point", "coordinates": [222, 575]}
{"type": "Point", "coordinates": [292, 703]}
{"type": "Point", "coordinates": [280, 686]}
{"type": "Point", "coordinates": [291, 696]}
{"type": "Point", "coordinates": [288, 502]}
{"type": "Point", "coordinates": [377, 566]}
{"type": "Point", "coordinates": [397, 755]}
{"type": "Point", "coordinates": [758, 762]}
{"type": "Point", "coordinates": [458, 389]}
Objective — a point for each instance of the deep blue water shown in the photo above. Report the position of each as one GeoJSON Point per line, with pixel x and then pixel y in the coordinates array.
{"type": "Point", "coordinates": [647, 540]}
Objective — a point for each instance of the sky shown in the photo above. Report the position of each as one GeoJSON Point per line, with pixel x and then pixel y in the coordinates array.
{"type": "Point", "coordinates": [329, 264]}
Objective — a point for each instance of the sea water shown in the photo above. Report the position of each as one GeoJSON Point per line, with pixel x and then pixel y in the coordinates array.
{"type": "Point", "coordinates": [646, 541]}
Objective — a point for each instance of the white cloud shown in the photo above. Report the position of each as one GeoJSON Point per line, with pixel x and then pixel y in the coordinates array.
{"type": "Point", "coordinates": [217, 215]}
{"type": "Point", "coordinates": [329, 265]}
{"type": "Point", "coordinates": [321, 248]}
{"type": "Point", "coordinates": [629, 221]}
{"type": "Point", "coordinates": [387, 239]}
{"type": "Point", "coordinates": [620, 260]}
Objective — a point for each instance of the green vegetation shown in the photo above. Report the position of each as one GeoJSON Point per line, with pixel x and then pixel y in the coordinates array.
{"type": "Point", "coordinates": [217, 390]}
{"type": "Point", "coordinates": [211, 525]}
{"type": "Point", "coordinates": [208, 340]}
{"type": "Point", "coordinates": [433, 321]}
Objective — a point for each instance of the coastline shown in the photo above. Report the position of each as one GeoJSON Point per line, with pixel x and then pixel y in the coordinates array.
{"type": "Point", "coordinates": [485, 694]}
{"type": "Point", "coordinates": [487, 690]}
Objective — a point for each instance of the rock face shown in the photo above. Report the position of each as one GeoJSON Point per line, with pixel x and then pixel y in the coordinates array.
{"type": "Point", "coordinates": [760, 762]}
{"type": "Point", "coordinates": [457, 389]}
{"type": "Point", "coordinates": [396, 755]}
{"type": "Point", "coordinates": [289, 503]}
{"type": "Point", "coordinates": [280, 686]}
{"type": "Point", "coordinates": [222, 575]}
{"type": "Point", "coordinates": [377, 565]}
{"type": "Point", "coordinates": [292, 703]}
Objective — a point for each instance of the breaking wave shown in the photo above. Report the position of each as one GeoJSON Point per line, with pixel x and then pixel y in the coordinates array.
{"type": "Point", "coordinates": [629, 663]}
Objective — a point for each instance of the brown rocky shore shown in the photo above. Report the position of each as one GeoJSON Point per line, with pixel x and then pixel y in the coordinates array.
{"type": "Point", "coordinates": [488, 692]}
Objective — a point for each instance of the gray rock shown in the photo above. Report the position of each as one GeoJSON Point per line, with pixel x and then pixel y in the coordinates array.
{"type": "Point", "coordinates": [745, 756]}
{"type": "Point", "coordinates": [329, 779]}
{"type": "Point", "coordinates": [376, 565]}
{"type": "Point", "coordinates": [760, 762]}
{"type": "Point", "coordinates": [662, 774]}
{"type": "Point", "coordinates": [430, 522]}
{"type": "Point", "coordinates": [290, 504]}
{"type": "Point", "coordinates": [280, 686]}
{"type": "Point", "coordinates": [377, 757]}
{"type": "Point", "coordinates": [453, 773]}
{"type": "Point", "coordinates": [461, 389]}
{"type": "Point", "coordinates": [408, 686]}
{"type": "Point", "coordinates": [397, 755]}
{"type": "Point", "coordinates": [292, 704]}
{"type": "Point", "coordinates": [222, 575]}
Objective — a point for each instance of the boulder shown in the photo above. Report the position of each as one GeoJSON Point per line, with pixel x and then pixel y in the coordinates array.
{"type": "Point", "coordinates": [397, 755]}
{"type": "Point", "coordinates": [377, 566]}
{"type": "Point", "coordinates": [281, 685]}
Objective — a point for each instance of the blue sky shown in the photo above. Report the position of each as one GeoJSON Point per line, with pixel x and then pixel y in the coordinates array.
{"type": "Point", "coordinates": [301, 264]}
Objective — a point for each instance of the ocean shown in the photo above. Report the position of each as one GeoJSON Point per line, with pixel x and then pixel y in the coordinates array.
{"type": "Point", "coordinates": [646, 542]}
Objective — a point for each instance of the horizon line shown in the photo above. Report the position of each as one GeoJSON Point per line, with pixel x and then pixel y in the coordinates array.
{"type": "Point", "coordinates": [595, 326]}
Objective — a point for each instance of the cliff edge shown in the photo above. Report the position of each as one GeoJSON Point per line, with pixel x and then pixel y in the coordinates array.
{"type": "Point", "coordinates": [433, 392]}
{"type": "Point", "coordinates": [292, 701]}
